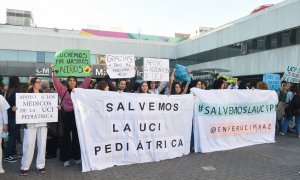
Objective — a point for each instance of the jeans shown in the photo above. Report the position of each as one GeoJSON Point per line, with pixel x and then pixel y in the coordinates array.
{"type": "Point", "coordinates": [14, 133]}
{"type": "Point", "coordinates": [285, 123]}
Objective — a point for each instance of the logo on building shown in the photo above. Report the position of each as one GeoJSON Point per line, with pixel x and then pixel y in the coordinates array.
{"type": "Point", "coordinates": [42, 71]}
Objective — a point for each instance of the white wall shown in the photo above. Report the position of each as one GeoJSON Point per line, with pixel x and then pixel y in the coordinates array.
{"type": "Point", "coordinates": [35, 39]}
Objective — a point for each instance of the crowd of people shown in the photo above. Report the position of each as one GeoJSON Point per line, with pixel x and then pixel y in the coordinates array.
{"type": "Point", "coordinates": [68, 144]}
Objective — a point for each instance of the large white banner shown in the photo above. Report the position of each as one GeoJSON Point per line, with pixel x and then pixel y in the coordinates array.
{"type": "Point", "coordinates": [36, 108]}
{"type": "Point", "coordinates": [156, 69]}
{"type": "Point", "coordinates": [120, 66]}
{"type": "Point", "coordinates": [123, 128]}
{"type": "Point", "coordinates": [228, 119]}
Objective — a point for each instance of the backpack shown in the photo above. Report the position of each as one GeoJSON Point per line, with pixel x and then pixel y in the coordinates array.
{"type": "Point", "coordinates": [294, 106]}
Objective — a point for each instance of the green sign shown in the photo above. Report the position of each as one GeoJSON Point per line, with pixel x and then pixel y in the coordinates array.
{"type": "Point", "coordinates": [229, 78]}
{"type": "Point", "coordinates": [72, 62]}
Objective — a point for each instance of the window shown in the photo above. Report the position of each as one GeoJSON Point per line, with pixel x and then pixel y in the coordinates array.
{"type": "Point", "coordinates": [286, 41]}
{"type": "Point", "coordinates": [244, 48]}
{"type": "Point", "coordinates": [298, 36]}
{"type": "Point", "coordinates": [222, 52]}
{"type": "Point", "coordinates": [8, 55]}
{"type": "Point", "coordinates": [50, 57]}
{"type": "Point", "coordinates": [274, 41]}
{"type": "Point", "coordinates": [261, 43]}
{"type": "Point", "coordinates": [27, 56]}
{"type": "Point", "coordinates": [40, 57]}
{"type": "Point", "coordinates": [235, 49]}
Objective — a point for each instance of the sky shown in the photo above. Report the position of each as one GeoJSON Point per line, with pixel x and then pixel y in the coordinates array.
{"type": "Point", "coordinates": [155, 17]}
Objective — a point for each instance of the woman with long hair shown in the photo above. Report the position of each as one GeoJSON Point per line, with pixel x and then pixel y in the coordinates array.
{"type": "Point", "coordinates": [102, 85]}
{"type": "Point", "coordinates": [144, 87]}
{"type": "Point", "coordinates": [34, 132]}
{"type": "Point", "coordinates": [262, 86]}
{"type": "Point", "coordinates": [175, 87]}
{"type": "Point", "coordinates": [14, 87]}
{"type": "Point", "coordinates": [70, 148]}
{"type": "Point", "coordinates": [219, 83]}
{"type": "Point", "coordinates": [295, 106]}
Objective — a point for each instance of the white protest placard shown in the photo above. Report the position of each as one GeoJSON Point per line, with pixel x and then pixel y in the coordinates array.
{"type": "Point", "coordinates": [292, 74]}
{"type": "Point", "coordinates": [36, 108]}
{"type": "Point", "coordinates": [124, 128]}
{"type": "Point", "coordinates": [120, 66]}
{"type": "Point", "coordinates": [156, 69]}
{"type": "Point", "coordinates": [228, 119]}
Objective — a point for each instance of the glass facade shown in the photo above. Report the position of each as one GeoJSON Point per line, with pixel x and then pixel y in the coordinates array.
{"type": "Point", "coordinates": [275, 40]}
{"type": "Point", "coordinates": [271, 41]}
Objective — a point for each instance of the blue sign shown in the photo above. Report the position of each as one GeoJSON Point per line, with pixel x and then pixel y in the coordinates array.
{"type": "Point", "coordinates": [272, 80]}
{"type": "Point", "coordinates": [182, 73]}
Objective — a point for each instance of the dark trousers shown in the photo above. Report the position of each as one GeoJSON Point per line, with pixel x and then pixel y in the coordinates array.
{"type": "Point", "coordinates": [51, 147]}
{"type": "Point", "coordinates": [14, 133]}
{"type": "Point", "coordinates": [70, 148]}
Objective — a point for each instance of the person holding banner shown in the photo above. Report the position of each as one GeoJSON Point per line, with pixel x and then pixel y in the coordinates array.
{"type": "Point", "coordinates": [4, 106]}
{"type": "Point", "coordinates": [282, 96]}
{"type": "Point", "coordinates": [219, 83]}
{"type": "Point", "coordinates": [144, 88]}
{"type": "Point", "coordinates": [102, 85]}
{"type": "Point", "coordinates": [175, 86]}
{"type": "Point", "coordinates": [159, 89]}
{"type": "Point", "coordinates": [34, 132]}
{"type": "Point", "coordinates": [52, 141]}
{"type": "Point", "coordinates": [262, 86]}
{"type": "Point", "coordinates": [287, 117]}
{"type": "Point", "coordinates": [70, 148]}
{"type": "Point", "coordinates": [295, 107]}
{"type": "Point", "coordinates": [122, 85]}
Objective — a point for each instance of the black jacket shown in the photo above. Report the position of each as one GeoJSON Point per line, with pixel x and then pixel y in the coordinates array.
{"type": "Point", "coordinates": [11, 99]}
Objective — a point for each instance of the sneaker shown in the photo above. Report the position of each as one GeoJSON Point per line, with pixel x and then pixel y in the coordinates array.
{"type": "Point", "coordinates": [10, 159]}
{"type": "Point", "coordinates": [67, 163]}
{"type": "Point", "coordinates": [281, 133]}
{"type": "Point", "coordinates": [24, 173]}
{"type": "Point", "coordinates": [2, 170]}
{"type": "Point", "coordinates": [42, 171]}
{"type": "Point", "coordinates": [77, 162]}
{"type": "Point", "coordinates": [17, 155]}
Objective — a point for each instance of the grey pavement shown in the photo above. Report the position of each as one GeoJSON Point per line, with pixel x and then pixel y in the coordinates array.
{"type": "Point", "coordinates": [280, 160]}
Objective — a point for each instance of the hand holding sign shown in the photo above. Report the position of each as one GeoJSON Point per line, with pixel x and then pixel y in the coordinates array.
{"type": "Point", "coordinates": [292, 74]}
{"type": "Point", "coordinates": [120, 66]}
{"type": "Point", "coordinates": [72, 63]}
{"type": "Point", "coordinates": [156, 69]}
{"type": "Point", "coordinates": [182, 73]}
{"type": "Point", "coordinates": [272, 80]}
